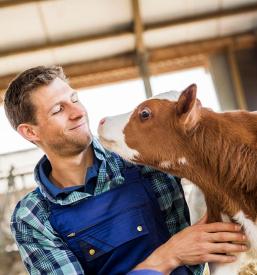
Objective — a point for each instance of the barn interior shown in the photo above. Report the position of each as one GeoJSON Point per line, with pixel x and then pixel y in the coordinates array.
{"type": "Point", "coordinates": [103, 43]}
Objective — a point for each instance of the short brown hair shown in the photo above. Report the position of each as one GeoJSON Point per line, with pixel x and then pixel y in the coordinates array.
{"type": "Point", "coordinates": [17, 102]}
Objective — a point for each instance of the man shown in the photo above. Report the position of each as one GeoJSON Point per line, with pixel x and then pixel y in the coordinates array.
{"type": "Point", "coordinates": [92, 212]}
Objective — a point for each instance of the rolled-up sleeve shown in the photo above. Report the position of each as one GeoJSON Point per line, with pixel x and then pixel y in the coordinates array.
{"type": "Point", "coordinates": [42, 252]}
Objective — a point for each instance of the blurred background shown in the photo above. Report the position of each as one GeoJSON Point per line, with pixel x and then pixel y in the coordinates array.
{"type": "Point", "coordinates": [117, 53]}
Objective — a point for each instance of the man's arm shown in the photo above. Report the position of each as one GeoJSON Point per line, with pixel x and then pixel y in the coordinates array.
{"type": "Point", "coordinates": [42, 254]}
{"type": "Point", "coordinates": [195, 245]}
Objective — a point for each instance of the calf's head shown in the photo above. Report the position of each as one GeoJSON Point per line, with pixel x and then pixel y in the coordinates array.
{"type": "Point", "coordinates": [164, 121]}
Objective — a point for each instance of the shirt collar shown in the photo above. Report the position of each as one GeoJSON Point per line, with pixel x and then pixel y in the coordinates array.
{"type": "Point", "coordinates": [44, 169]}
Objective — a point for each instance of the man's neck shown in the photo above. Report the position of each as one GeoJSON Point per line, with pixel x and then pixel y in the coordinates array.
{"type": "Point", "coordinates": [70, 171]}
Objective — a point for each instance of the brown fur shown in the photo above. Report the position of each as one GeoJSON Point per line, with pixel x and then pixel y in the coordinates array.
{"type": "Point", "coordinates": [220, 149]}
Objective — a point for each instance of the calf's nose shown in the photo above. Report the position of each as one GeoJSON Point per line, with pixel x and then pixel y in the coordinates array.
{"type": "Point", "coordinates": [102, 121]}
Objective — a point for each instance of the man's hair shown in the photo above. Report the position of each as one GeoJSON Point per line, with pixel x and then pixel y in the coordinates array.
{"type": "Point", "coordinates": [17, 101]}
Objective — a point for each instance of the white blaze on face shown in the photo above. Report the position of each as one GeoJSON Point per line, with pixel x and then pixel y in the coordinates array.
{"type": "Point", "coordinates": [111, 134]}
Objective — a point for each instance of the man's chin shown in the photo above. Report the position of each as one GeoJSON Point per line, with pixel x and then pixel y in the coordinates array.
{"type": "Point", "coordinates": [75, 149]}
{"type": "Point", "coordinates": [83, 143]}
{"type": "Point", "coordinates": [82, 138]}
{"type": "Point", "coordinates": [74, 146]}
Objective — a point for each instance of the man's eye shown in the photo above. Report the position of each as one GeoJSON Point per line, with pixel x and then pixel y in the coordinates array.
{"type": "Point", "coordinates": [57, 109]}
{"type": "Point", "coordinates": [145, 114]}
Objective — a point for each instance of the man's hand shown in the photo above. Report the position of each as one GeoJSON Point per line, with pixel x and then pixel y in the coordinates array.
{"type": "Point", "coordinates": [198, 244]}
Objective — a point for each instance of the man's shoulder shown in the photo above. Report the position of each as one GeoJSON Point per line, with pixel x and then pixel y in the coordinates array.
{"type": "Point", "coordinates": [31, 204]}
{"type": "Point", "coordinates": [149, 170]}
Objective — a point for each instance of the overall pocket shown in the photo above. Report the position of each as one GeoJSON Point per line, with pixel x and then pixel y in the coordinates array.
{"type": "Point", "coordinates": [107, 235]}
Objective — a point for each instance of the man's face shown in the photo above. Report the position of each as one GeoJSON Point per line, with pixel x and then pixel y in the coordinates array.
{"type": "Point", "coordinates": [62, 121]}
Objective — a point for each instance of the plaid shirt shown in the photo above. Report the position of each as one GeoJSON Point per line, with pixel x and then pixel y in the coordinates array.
{"type": "Point", "coordinates": [44, 252]}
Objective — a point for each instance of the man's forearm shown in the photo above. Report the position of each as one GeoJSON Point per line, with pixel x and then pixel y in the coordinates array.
{"type": "Point", "coordinates": [195, 245]}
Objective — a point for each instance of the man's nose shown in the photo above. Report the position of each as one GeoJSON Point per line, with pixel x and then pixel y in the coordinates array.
{"type": "Point", "coordinates": [77, 111]}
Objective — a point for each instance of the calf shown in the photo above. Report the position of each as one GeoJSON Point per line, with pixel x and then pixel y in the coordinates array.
{"type": "Point", "coordinates": [217, 151]}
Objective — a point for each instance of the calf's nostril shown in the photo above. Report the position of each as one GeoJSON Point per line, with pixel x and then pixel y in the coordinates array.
{"type": "Point", "coordinates": [102, 121]}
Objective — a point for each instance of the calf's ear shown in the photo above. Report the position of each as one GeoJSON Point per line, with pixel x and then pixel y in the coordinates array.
{"type": "Point", "coordinates": [188, 108]}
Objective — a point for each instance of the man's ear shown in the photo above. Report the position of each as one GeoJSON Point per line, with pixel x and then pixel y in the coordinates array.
{"type": "Point", "coordinates": [188, 108]}
{"type": "Point", "coordinates": [28, 131]}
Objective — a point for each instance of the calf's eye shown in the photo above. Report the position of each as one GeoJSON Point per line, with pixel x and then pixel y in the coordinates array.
{"type": "Point", "coordinates": [145, 114]}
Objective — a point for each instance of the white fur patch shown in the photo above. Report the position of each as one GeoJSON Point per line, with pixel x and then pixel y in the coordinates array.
{"type": "Point", "coordinates": [246, 262]}
{"type": "Point", "coordinates": [249, 226]}
{"type": "Point", "coordinates": [195, 200]}
{"type": "Point", "coordinates": [165, 164]}
{"type": "Point", "coordinates": [225, 269]}
{"type": "Point", "coordinates": [225, 218]}
{"type": "Point", "coordinates": [113, 127]}
{"type": "Point", "coordinates": [182, 161]}
{"type": "Point", "coordinates": [112, 137]}
{"type": "Point", "coordinates": [125, 151]}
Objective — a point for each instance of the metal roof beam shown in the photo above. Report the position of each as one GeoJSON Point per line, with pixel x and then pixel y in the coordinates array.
{"type": "Point", "coordinates": [141, 53]}
{"type": "Point", "coordinates": [161, 60]}
{"type": "Point", "coordinates": [240, 10]}
{"type": "Point", "coordinates": [128, 30]}
{"type": "Point", "coordinates": [11, 3]}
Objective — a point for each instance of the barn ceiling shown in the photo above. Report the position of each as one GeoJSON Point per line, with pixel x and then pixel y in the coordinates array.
{"type": "Point", "coordinates": [81, 33]}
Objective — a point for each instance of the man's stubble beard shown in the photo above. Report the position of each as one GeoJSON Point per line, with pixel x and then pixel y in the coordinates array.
{"type": "Point", "coordinates": [71, 146]}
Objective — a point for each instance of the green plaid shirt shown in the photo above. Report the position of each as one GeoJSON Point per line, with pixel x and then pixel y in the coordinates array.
{"type": "Point", "coordinates": [44, 252]}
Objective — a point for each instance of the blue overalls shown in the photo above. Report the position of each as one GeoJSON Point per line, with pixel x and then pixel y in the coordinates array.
{"type": "Point", "coordinates": [112, 232]}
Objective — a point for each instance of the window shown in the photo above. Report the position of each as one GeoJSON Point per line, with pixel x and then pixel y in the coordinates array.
{"type": "Point", "coordinates": [111, 100]}
{"type": "Point", "coordinates": [178, 81]}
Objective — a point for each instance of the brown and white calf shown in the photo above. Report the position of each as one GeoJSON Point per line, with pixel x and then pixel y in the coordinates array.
{"type": "Point", "coordinates": [217, 151]}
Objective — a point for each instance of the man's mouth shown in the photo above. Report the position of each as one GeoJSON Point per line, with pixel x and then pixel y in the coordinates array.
{"type": "Point", "coordinates": [78, 126]}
